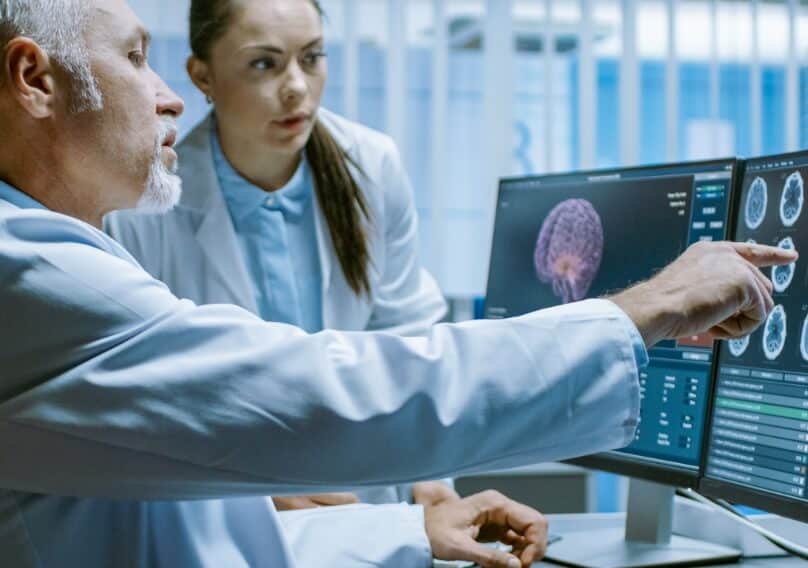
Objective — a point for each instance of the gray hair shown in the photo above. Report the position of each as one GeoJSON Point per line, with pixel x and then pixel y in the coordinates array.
{"type": "Point", "coordinates": [57, 26]}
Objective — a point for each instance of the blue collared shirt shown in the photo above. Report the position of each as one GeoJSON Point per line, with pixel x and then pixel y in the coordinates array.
{"type": "Point", "coordinates": [278, 238]}
{"type": "Point", "coordinates": [18, 198]}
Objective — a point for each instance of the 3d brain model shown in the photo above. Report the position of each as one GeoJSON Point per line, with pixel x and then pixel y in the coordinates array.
{"type": "Point", "coordinates": [569, 249]}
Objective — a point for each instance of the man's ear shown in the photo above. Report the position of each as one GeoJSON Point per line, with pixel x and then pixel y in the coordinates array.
{"type": "Point", "coordinates": [29, 75]}
{"type": "Point", "coordinates": [199, 72]}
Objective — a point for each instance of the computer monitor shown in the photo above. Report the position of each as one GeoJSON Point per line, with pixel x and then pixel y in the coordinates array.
{"type": "Point", "coordinates": [566, 237]}
{"type": "Point", "coordinates": [757, 448]}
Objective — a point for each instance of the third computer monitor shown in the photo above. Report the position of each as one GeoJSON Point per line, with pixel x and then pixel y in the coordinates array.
{"type": "Point", "coordinates": [562, 238]}
{"type": "Point", "coordinates": [757, 452]}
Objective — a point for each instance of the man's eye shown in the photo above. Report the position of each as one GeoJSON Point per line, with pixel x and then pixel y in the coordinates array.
{"type": "Point", "coordinates": [263, 64]}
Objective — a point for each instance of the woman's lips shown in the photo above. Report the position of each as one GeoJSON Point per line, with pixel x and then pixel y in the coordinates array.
{"type": "Point", "coordinates": [293, 123]}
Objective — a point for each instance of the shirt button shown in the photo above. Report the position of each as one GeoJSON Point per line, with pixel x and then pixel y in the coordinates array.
{"type": "Point", "coordinates": [270, 201]}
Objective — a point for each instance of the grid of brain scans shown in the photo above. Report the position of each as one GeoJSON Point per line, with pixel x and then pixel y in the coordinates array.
{"type": "Point", "coordinates": [759, 428]}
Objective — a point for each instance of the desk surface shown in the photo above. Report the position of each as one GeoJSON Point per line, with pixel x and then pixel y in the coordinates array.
{"type": "Point", "coordinates": [564, 523]}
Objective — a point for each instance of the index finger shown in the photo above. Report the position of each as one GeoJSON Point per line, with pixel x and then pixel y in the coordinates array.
{"type": "Point", "coordinates": [764, 255]}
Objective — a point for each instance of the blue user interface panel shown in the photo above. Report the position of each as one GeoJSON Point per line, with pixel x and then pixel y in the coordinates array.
{"type": "Point", "coordinates": [759, 423]}
{"type": "Point", "coordinates": [563, 238]}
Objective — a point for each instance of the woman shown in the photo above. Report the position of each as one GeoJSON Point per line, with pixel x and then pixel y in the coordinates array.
{"type": "Point", "coordinates": [289, 211]}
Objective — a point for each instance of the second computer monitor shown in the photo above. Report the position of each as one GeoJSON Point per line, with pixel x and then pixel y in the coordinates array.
{"type": "Point", "coordinates": [758, 445]}
{"type": "Point", "coordinates": [563, 238]}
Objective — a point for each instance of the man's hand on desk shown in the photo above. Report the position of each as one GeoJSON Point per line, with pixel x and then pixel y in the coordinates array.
{"type": "Point", "coordinates": [312, 501]}
{"type": "Point", "coordinates": [712, 287]}
{"type": "Point", "coordinates": [429, 493]}
{"type": "Point", "coordinates": [457, 527]}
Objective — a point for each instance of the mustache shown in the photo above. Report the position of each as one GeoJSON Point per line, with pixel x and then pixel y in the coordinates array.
{"type": "Point", "coordinates": [167, 130]}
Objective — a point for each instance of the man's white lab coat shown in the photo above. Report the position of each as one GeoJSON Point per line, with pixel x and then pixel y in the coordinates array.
{"type": "Point", "coordinates": [125, 399]}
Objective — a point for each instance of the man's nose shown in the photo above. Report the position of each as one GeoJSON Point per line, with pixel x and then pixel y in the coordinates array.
{"type": "Point", "coordinates": [168, 102]}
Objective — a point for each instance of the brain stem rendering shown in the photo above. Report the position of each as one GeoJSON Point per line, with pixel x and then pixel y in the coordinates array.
{"type": "Point", "coordinates": [569, 249]}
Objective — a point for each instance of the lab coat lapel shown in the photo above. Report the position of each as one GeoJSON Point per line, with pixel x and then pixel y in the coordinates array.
{"type": "Point", "coordinates": [216, 235]}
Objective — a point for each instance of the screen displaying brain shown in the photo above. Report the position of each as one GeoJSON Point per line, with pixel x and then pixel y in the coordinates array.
{"type": "Point", "coordinates": [791, 199]}
{"type": "Point", "coordinates": [756, 200]}
{"type": "Point", "coordinates": [569, 249]}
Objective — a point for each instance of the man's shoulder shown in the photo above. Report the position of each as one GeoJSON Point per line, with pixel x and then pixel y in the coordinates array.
{"type": "Point", "coordinates": [41, 231]}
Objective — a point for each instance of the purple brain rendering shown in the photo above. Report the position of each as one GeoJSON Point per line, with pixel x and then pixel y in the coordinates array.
{"type": "Point", "coordinates": [569, 249]}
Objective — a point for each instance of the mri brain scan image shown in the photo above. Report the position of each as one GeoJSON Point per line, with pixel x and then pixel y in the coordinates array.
{"type": "Point", "coordinates": [738, 346]}
{"type": "Point", "coordinates": [782, 275]}
{"type": "Point", "coordinates": [804, 339]}
{"type": "Point", "coordinates": [791, 200]}
{"type": "Point", "coordinates": [774, 333]}
{"type": "Point", "coordinates": [756, 201]}
{"type": "Point", "coordinates": [569, 249]}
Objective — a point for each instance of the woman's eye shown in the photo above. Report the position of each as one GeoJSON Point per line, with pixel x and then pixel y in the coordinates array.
{"type": "Point", "coordinates": [263, 64]}
{"type": "Point", "coordinates": [311, 59]}
{"type": "Point", "coordinates": [137, 58]}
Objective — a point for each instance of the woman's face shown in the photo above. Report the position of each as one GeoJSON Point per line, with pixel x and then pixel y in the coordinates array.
{"type": "Point", "coordinates": [267, 73]}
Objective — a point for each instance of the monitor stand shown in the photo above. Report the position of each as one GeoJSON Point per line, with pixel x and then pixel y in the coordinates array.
{"type": "Point", "coordinates": [646, 541]}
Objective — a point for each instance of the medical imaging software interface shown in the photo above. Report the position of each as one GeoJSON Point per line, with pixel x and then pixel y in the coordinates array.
{"type": "Point", "coordinates": [759, 426]}
{"type": "Point", "coordinates": [564, 238]}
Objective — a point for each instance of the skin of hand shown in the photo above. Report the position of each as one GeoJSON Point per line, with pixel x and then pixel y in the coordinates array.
{"type": "Point", "coordinates": [457, 527]}
{"type": "Point", "coordinates": [714, 287]}
{"type": "Point", "coordinates": [292, 503]}
{"type": "Point", "coordinates": [429, 493]}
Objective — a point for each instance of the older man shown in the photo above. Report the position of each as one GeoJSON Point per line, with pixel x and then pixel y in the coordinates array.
{"type": "Point", "coordinates": [119, 403]}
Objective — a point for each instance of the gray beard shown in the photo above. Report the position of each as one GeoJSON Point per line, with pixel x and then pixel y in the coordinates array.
{"type": "Point", "coordinates": [164, 186]}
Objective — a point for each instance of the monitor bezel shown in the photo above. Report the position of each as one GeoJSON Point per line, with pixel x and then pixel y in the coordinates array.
{"type": "Point", "coordinates": [613, 461]}
{"type": "Point", "coordinates": [723, 489]}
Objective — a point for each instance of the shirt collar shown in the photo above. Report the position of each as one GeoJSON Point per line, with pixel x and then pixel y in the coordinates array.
{"type": "Point", "coordinates": [245, 198]}
{"type": "Point", "coordinates": [18, 198]}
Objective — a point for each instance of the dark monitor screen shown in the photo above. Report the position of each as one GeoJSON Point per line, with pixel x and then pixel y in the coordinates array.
{"type": "Point", "coordinates": [758, 436]}
{"type": "Point", "coordinates": [562, 238]}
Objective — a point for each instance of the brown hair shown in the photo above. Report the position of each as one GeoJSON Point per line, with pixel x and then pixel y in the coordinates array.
{"type": "Point", "coordinates": [340, 197]}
